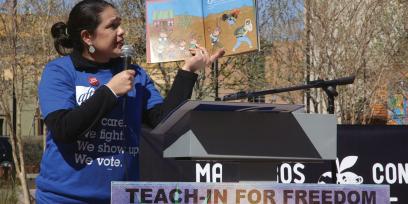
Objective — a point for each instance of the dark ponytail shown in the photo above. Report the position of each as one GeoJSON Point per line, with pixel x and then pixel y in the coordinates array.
{"type": "Point", "coordinates": [59, 32]}
{"type": "Point", "coordinates": [84, 16]}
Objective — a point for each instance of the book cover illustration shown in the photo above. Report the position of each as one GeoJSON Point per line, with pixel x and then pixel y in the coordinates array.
{"type": "Point", "coordinates": [175, 26]}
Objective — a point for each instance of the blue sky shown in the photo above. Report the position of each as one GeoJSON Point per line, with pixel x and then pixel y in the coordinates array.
{"type": "Point", "coordinates": [219, 6]}
{"type": "Point", "coordinates": [184, 7]}
{"type": "Point", "coordinates": [193, 7]}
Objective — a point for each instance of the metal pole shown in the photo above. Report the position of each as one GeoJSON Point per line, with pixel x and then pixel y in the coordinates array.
{"type": "Point", "coordinates": [215, 79]}
{"type": "Point", "coordinates": [307, 51]}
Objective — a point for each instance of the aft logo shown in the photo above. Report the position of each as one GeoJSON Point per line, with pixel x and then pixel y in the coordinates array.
{"type": "Point", "coordinates": [83, 93]}
{"type": "Point", "coordinates": [343, 176]}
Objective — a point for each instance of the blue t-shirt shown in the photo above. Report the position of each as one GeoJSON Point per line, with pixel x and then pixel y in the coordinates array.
{"type": "Point", "coordinates": [82, 172]}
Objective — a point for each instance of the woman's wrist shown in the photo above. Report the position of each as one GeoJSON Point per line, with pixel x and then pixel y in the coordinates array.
{"type": "Point", "coordinates": [110, 88]}
{"type": "Point", "coordinates": [187, 68]}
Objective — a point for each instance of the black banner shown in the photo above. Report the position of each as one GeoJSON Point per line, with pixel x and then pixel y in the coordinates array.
{"type": "Point", "coordinates": [366, 155]}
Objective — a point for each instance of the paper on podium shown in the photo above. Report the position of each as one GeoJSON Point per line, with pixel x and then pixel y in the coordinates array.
{"type": "Point", "coordinates": [191, 105]}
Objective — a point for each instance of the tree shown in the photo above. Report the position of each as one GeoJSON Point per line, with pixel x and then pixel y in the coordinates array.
{"type": "Point", "coordinates": [10, 23]}
{"type": "Point", "coordinates": [352, 38]}
{"type": "Point", "coordinates": [27, 48]}
{"type": "Point", "coordinates": [317, 39]}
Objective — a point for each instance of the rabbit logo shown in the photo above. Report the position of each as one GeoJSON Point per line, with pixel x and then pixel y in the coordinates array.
{"type": "Point", "coordinates": [343, 176]}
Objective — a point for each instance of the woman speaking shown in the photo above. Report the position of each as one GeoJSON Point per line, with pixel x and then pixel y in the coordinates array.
{"type": "Point", "coordinates": [94, 109]}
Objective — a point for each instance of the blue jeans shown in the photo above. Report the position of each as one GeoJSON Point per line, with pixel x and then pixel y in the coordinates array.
{"type": "Point", "coordinates": [240, 40]}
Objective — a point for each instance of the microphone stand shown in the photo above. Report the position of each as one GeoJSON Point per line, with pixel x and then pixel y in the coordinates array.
{"type": "Point", "coordinates": [215, 73]}
{"type": "Point", "coordinates": [329, 87]}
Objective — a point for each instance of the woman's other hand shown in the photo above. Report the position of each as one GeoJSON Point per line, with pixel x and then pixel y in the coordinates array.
{"type": "Point", "coordinates": [201, 59]}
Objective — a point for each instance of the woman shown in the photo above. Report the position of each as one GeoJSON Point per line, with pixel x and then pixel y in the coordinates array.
{"type": "Point", "coordinates": [93, 109]}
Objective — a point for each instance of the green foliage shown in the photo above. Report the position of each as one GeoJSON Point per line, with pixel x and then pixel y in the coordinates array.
{"type": "Point", "coordinates": [8, 192]}
{"type": "Point", "coordinates": [32, 154]}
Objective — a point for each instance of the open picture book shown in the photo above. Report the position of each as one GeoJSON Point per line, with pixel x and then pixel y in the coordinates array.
{"type": "Point", "coordinates": [175, 26]}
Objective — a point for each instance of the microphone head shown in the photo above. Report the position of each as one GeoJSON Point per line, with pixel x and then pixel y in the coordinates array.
{"type": "Point", "coordinates": [127, 51]}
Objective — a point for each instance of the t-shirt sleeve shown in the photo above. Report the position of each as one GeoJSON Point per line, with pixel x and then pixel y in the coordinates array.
{"type": "Point", "coordinates": [56, 89]}
{"type": "Point", "coordinates": [153, 96]}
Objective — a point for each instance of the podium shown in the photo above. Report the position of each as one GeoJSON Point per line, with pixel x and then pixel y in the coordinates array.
{"type": "Point", "coordinates": [241, 143]}
{"type": "Point", "coordinates": [201, 130]}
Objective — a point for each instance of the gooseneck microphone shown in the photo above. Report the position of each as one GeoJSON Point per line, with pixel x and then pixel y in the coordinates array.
{"type": "Point", "coordinates": [329, 85]}
{"type": "Point", "coordinates": [127, 52]}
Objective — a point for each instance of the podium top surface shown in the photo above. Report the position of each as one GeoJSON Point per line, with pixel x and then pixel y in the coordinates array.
{"type": "Point", "coordinates": [191, 105]}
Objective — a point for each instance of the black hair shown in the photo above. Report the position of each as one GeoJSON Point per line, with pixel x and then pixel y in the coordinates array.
{"type": "Point", "coordinates": [84, 16]}
{"type": "Point", "coordinates": [225, 17]}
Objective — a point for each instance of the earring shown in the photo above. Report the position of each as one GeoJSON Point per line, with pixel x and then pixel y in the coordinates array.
{"type": "Point", "coordinates": [91, 49]}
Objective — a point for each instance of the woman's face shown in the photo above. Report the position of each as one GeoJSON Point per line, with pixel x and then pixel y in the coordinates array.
{"type": "Point", "coordinates": [108, 37]}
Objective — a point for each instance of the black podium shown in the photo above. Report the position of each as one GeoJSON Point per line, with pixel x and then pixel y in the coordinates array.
{"type": "Point", "coordinates": [201, 130]}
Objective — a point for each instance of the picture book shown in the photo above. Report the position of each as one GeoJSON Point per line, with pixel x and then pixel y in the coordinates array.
{"type": "Point", "coordinates": [175, 26]}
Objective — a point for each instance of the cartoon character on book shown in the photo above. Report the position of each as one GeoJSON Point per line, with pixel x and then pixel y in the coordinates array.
{"type": "Point", "coordinates": [162, 38]}
{"type": "Point", "coordinates": [182, 48]}
{"type": "Point", "coordinates": [160, 52]}
{"type": "Point", "coordinates": [231, 18]}
{"type": "Point", "coordinates": [241, 34]}
{"type": "Point", "coordinates": [172, 50]}
{"type": "Point", "coordinates": [182, 45]}
{"type": "Point", "coordinates": [215, 38]}
{"type": "Point", "coordinates": [193, 41]}
{"type": "Point", "coordinates": [162, 44]}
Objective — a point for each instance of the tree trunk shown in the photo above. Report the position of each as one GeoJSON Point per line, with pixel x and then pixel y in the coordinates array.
{"type": "Point", "coordinates": [17, 147]}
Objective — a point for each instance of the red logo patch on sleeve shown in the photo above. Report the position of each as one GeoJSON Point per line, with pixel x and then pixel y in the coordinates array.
{"type": "Point", "coordinates": [93, 81]}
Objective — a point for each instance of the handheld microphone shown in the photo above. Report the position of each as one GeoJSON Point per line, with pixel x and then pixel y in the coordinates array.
{"type": "Point", "coordinates": [127, 52]}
